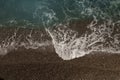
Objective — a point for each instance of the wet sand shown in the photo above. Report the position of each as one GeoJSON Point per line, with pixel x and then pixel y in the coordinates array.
{"type": "Point", "coordinates": [44, 64]}
{"type": "Point", "coordinates": [35, 65]}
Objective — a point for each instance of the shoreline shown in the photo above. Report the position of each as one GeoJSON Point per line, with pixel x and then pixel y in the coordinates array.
{"type": "Point", "coordinates": [45, 64]}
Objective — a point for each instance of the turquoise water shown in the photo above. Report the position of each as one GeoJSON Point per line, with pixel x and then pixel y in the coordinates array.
{"type": "Point", "coordinates": [50, 12]}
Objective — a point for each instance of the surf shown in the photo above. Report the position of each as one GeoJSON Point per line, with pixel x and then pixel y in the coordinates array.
{"type": "Point", "coordinates": [101, 34]}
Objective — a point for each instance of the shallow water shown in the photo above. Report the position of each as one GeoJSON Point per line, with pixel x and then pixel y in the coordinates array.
{"type": "Point", "coordinates": [73, 27]}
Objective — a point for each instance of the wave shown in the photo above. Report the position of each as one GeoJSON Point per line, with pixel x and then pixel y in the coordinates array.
{"type": "Point", "coordinates": [64, 29]}
{"type": "Point", "coordinates": [104, 37]}
{"type": "Point", "coordinates": [68, 43]}
{"type": "Point", "coordinates": [16, 38]}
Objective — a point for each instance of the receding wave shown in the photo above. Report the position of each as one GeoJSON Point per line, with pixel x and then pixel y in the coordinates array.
{"type": "Point", "coordinates": [75, 28]}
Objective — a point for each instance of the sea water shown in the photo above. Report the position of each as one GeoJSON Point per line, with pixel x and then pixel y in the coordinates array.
{"type": "Point", "coordinates": [101, 33]}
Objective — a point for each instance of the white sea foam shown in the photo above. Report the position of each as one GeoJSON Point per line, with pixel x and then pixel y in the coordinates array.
{"type": "Point", "coordinates": [104, 37]}
{"type": "Point", "coordinates": [14, 43]}
{"type": "Point", "coordinates": [68, 44]}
